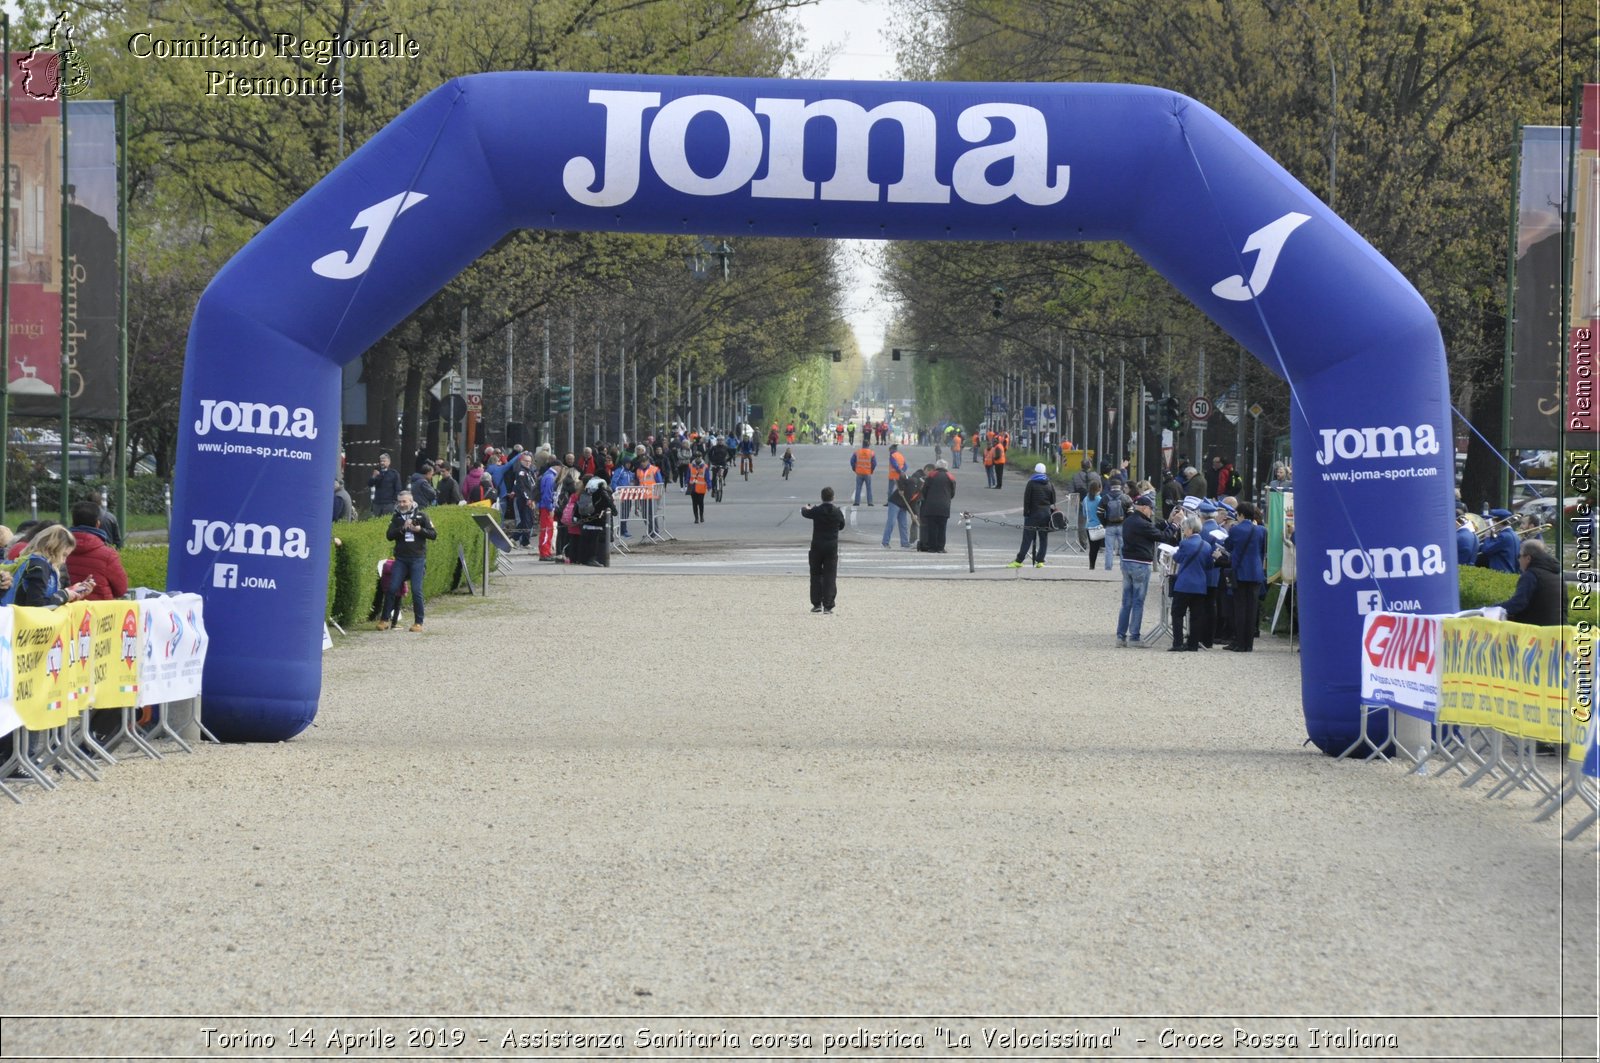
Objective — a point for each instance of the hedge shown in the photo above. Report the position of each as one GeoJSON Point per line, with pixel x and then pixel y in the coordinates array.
{"type": "Point", "coordinates": [362, 544]}
{"type": "Point", "coordinates": [352, 578]}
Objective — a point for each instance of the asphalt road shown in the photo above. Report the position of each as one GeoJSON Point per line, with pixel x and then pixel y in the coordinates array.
{"type": "Point", "coordinates": [757, 528]}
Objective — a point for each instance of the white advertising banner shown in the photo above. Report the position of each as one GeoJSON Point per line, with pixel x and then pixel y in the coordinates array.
{"type": "Point", "coordinates": [174, 649]}
{"type": "Point", "coordinates": [1400, 662]}
{"type": "Point", "coordinates": [9, 720]}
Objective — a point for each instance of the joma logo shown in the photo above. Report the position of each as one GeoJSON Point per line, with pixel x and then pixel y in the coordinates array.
{"type": "Point", "coordinates": [1032, 179]}
{"type": "Point", "coordinates": [1396, 442]}
{"type": "Point", "coordinates": [1384, 562]}
{"type": "Point", "coordinates": [255, 418]}
{"type": "Point", "coordinates": [221, 537]}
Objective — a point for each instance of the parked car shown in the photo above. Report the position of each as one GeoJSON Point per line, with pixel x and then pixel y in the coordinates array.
{"type": "Point", "coordinates": [1579, 518]}
{"type": "Point", "coordinates": [1525, 491]}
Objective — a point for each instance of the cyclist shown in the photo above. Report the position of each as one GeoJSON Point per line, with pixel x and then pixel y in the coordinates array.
{"type": "Point", "coordinates": [747, 457]}
{"type": "Point", "coordinates": [719, 466]}
{"type": "Point", "coordinates": [788, 461]}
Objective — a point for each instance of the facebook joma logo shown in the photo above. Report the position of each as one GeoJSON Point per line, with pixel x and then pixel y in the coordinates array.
{"type": "Point", "coordinates": [225, 576]}
{"type": "Point", "coordinates": [1368, 602]}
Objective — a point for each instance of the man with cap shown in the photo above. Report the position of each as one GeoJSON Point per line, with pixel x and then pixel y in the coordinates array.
{"type": "Point", "coordinates": [1140, 534]}
{"type": "Point", "coordinates": [1038, 499]}
{"type": "Point", "coordinates": [1499, 552]}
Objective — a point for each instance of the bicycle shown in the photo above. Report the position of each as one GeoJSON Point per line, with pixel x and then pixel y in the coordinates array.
{"type": "Point", "coordinates": [745, 464]}
{"type": "Point", "coordinates": [719, 473]}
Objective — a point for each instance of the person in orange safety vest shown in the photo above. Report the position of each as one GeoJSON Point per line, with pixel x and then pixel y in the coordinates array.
{"type": "Point", "coordinates": [997, 460]}
{"type": "Point", "coordinates": [864, 463]}
{"type": "Point", "coordinates": [699, 484]}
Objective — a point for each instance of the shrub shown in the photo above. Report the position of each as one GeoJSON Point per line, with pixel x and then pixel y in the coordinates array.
{"type": "Point", "coordinates": [1481, 587]}
{"type": "Point", "coordinates": [146, 566]}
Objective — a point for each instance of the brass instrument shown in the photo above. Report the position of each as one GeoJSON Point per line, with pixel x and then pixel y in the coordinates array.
{"type": "Point", "coordinates": [1495, 527]}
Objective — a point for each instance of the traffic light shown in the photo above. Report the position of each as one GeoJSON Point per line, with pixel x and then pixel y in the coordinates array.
{"type": "Point", "coordinates": [1172, 417]}
{"type": "Point", "coordinates": [558, 400]}
{"type": "Point", "coordinates": [895, 354]}
{"type": "Point", "coordinates": [998, 308]}
{"type": "Point", "coordinates": [838, 356]}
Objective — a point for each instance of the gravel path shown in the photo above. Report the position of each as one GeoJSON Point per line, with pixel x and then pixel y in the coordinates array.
{"type": "Point", "coordinates": [604, 794]}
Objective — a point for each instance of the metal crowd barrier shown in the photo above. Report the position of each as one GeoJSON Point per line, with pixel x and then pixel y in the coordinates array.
{"type": "Point", "coordinates": [73, 751]}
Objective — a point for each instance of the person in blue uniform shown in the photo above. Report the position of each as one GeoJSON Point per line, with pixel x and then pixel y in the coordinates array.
{"type": "Point", "coordinates": [1499, 552]}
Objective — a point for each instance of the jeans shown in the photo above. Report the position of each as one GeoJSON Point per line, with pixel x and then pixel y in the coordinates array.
{"type": "Point", "coordinates": [414, 569]}
{"type": "Point", "coordinates": [955, 459]}
{"type": "Point", "coordinates": [897, 516]}
{"type": "Point", "coordinates": [863, 480]}
{"type": "Point", "coordinates": [1113, 544]}
{"type": "Point", "coordinates": [1135, 582]}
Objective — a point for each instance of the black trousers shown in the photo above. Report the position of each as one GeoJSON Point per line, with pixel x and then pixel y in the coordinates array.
{"type": "Point", "coordinates": [824, 575]}
{"type": "Point", "coordinates": [1246, 614]}
{"type": "Point", "coordinates": [1039, 539]}
{"type": "Point", "coordinates": [932, 535]}
{"type": "Point", "coordinates": [1222, 617]}
{"type": "Point", "coordinates": [1197, 608]}
{"type": "Point", "coordinates": [999, 474]}
{"type": "Point", "coordinates": [698, 504]}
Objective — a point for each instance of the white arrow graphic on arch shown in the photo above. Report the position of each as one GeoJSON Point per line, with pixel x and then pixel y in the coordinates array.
{"type": "Point", "coordinates": [376, 219]}
{"type": "Point", "coordinates": [1269, 241]}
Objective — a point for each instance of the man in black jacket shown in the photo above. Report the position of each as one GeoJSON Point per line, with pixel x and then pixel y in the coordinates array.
{"type": "Point", "coordinates": [827, 520]}
{"type": "Point", "coordinates": [383, 485]}
{"type": "Point", "coordinates": [1140, 534]}
{"type": "Point", "coordinates": [934, 513]}
{"type": "Point", "coordinates": [409, 530]}
{"type": "Point", "coordinates": [1038, 499]}
{"type": "Point", "coordinates": [1537, 599]}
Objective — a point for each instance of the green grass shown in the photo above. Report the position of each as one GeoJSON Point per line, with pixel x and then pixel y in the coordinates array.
{"type": "Point", "coordinates": [137, 522]}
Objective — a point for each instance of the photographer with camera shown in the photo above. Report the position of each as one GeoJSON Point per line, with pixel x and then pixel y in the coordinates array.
{"type": "Point", "coordinates": [409, 530]}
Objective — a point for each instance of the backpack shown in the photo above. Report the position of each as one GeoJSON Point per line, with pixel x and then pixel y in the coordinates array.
{"type": "Point", "coordinates": [52, 583]}
{"type": "Point", "coordinates": [1112, 505]}
{"type": "Point", "coordinates": [585, 506]}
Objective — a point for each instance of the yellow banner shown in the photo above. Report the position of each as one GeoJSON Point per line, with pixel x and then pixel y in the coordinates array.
{"type": "Point", "coordinates": [114, 655]}
{"type": "Point", "coordinates": [39, 648]}
{"type": "Point", "coordinates": [1515, 678]}
{"type": "Point", "coordinates": [76, 675]}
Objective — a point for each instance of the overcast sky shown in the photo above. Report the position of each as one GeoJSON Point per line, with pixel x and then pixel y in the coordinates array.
{"type": "Point", "coordinates": [860, 28]}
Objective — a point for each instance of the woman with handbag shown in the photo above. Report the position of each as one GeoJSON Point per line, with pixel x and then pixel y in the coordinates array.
{"type": "Point", "coordinates": [1091, 522]}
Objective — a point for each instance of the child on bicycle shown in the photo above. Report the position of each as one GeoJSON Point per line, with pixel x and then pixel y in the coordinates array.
{"type": "Point", "coordinates": [788, 461]}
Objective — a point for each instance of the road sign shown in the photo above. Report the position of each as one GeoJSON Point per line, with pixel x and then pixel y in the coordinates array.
{"type": "Point", "coordinates": [1256, 410]}
{"type": "Point", "coordinates": [1030, 417]}
{"type": "Point", "coordinates": [1199, 408]}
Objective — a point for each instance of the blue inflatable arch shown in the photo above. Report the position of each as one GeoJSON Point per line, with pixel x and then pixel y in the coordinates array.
{"type": "Point", "coordinates": [487, 154]}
